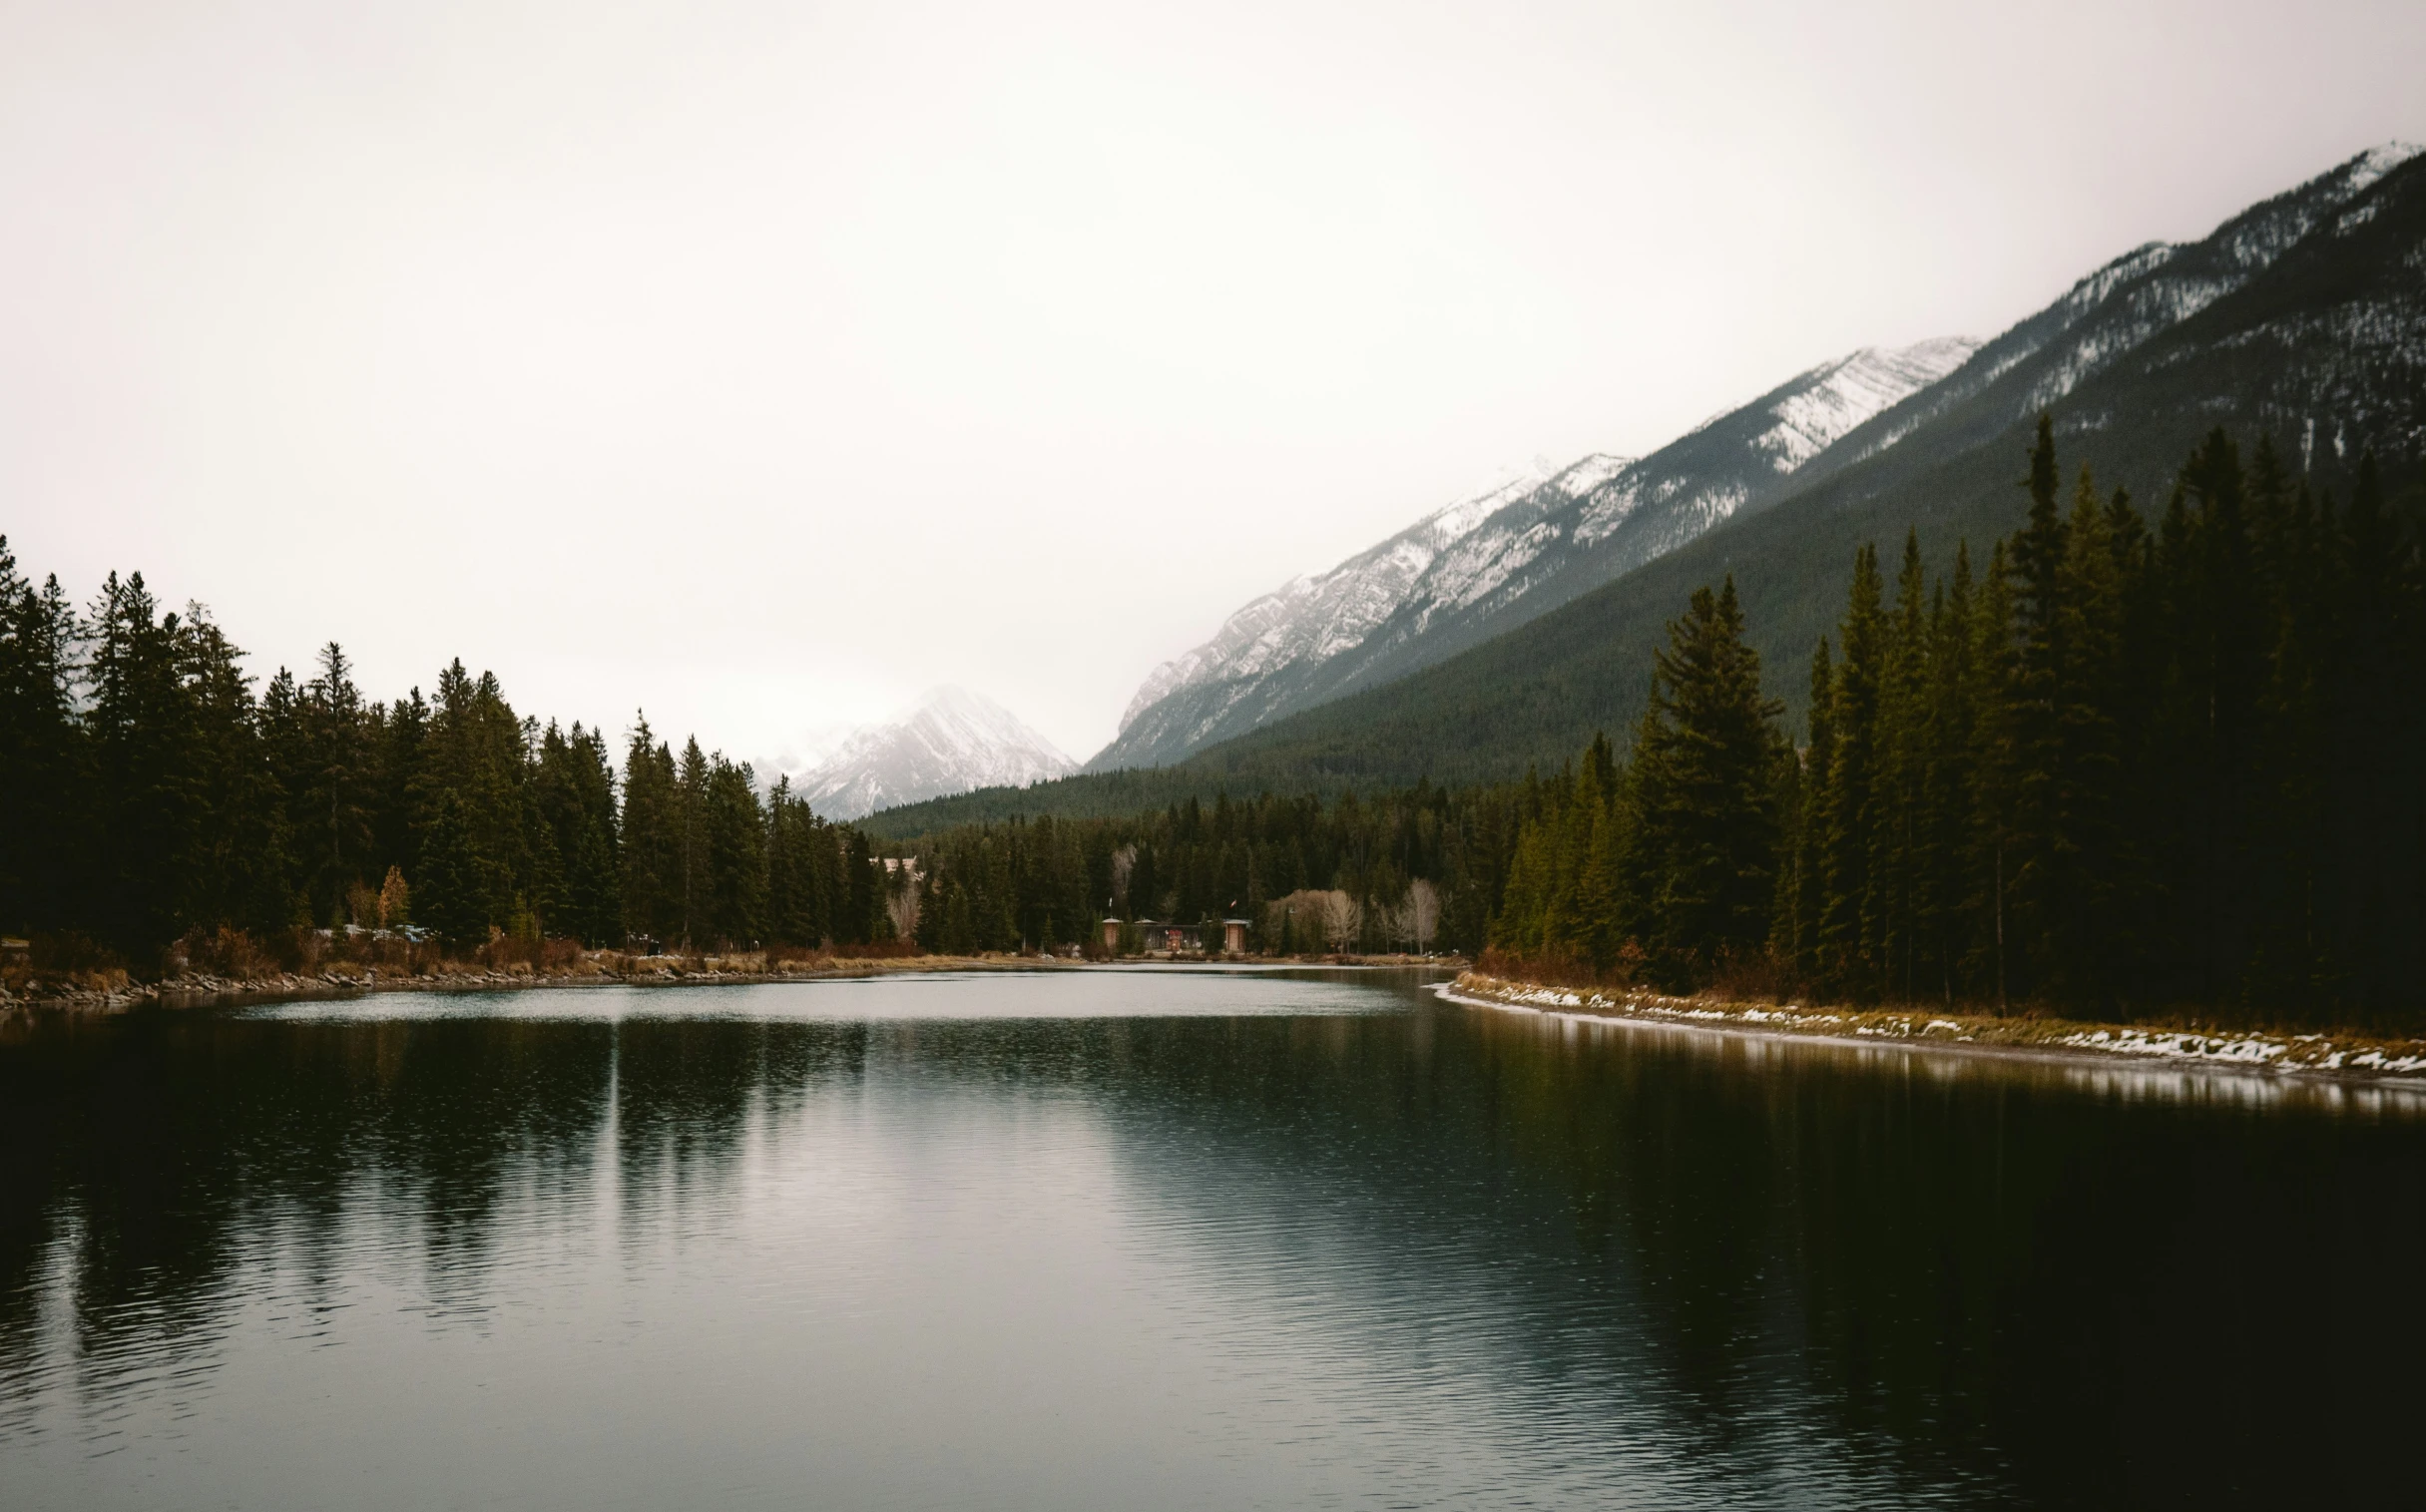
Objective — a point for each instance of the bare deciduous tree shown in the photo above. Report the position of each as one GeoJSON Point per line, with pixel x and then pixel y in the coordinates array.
{"type": "Point", "coordinates": [1392, 919]}
{"type": "Point", "coordinates": [1342, 919]}
{"type": "Point", "coordinates": [1423, 914]}
{"type": "Point", "coordinates": [901, 898]}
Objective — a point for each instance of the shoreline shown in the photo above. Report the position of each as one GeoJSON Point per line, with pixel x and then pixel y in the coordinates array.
{"type": "Point", "coordinates": [117, 994]}
{"type": "Point", "coordinates": [2322, 1057]}
{"type": "Point", "coordinates": [199, 990]}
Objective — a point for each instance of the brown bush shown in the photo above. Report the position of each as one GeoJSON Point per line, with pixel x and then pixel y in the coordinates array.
{"type": "Point", "coordinates": [1560, 969]}
{"type": "Point", "coordinates": [71, 951]}
{"type": "Point", "coordinates": [553, 953]}
{"type": "Point", "coordinates": [880, 950]}
{"type": "Point", "coordinates": [1753, 977]}
{"type": "Point", "coordinates": [239, 955]}
{"type": "Point", "coordinates": [224, 952]}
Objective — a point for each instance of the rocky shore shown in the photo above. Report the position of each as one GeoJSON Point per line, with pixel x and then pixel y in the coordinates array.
{"type": "Point", "coordinates": [2339, 1054]}
{"type": "Point", "coordinates": [116, 992]}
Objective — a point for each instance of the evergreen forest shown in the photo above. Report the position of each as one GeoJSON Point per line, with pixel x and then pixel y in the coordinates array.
{"type": "Point", "coordinates": [2117, 766]}
{"type": "Point", "coordinates": [154, 793]}
{"type": "Point", "coordinates": [2116, 763]}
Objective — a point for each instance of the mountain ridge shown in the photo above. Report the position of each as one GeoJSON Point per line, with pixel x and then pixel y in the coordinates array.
{"type": "Point", "coordinates": [2321, 345]}
{"type": "Point", "coordinates": [1514, 553]}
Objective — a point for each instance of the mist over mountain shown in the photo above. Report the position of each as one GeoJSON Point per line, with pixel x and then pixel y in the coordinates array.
{"type": "Point", "coordinates": [1485, 565]}
{"type": "Point", "coordinates": [950, 741]}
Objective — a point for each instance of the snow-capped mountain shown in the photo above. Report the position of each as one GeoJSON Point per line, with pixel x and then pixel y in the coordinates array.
{"type": "Point", "coordinates": [1489, 563]}
{"type": "Point", "coordinates": [1314, 618]}
{"type": "Point", "coordinates": [2317, 345]}
{"type": "Point", "coordinates": [1507, 557]}
{"type": "Point", "coordinates": [950, 741]}
{"type": "Point", "coordinates": [2113, 314]}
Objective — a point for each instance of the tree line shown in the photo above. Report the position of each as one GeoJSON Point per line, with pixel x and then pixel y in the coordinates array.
{"type": "Point", "coordinates": [152, 790]}
{"type": "Point", "coordinates": [2118, 767]}
{"type": "Point", "coordinates": [1415, 867]}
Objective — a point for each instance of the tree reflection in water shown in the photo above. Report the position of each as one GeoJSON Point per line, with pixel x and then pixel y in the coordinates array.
{"type": "Point", "coordinates": [1413, 1253]}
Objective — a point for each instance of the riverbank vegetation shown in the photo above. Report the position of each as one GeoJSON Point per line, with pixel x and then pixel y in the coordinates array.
{"type": "Point", "coordinates": [2114, 768]}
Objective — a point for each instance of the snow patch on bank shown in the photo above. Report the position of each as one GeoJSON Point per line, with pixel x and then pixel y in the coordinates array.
{"type": "Point", "coordinates": [2306, 1054]}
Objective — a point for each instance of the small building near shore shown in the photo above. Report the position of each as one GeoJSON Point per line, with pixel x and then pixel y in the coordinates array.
{"type": "Point", "coordinates": [1156, 936]}
{"type": "Point", "coordinates": [1234, 936]}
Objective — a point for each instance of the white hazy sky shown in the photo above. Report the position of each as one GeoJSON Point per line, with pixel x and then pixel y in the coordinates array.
{"type": "Point", "coordinates": [763, 364]}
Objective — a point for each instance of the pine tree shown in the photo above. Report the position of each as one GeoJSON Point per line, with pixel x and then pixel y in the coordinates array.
{"type": "Point", "coordinates": [798, 895]}
{"type": "Point", "coordinates": [141, 734]}
{"type": "Point", "coordinates": [2085, 949]}
{"type": "Point", "coordinates": [733, 832]}
{"type": "Point", "coordinates": [2210, 730]}
{"type": "Point", "coordinates": [651, 840]}
{"type": "Point", "coordinates": [2041, 872]}
{"type": "Point", "coordinates": [42, 758]}
{"type": "Point", "coordinates": [2378, 916]}
{"type": "Point", "coordinates": [690, 841]}
{"type": "Point", "coordinates": [330, 794]}
{"type": "Point", "coordinates": [450, 896]}
{"type": "Point", "coordinates": [1848, 954]}
{"type": "Point", "coordinates": [1809, 870]}
{"type": "Point", "coordinates": [239, 871]}
{"type": "Point", "coordinates": [1892, 920]}
{"type": "Point", "coordinates": [1704, 763]}
{"type": "Point", "coordinates": [1951, 804]}
{"type": "Point", "coordinates": [1577, 923]}
{"type": "Point", "coordinates": [1995, 799]}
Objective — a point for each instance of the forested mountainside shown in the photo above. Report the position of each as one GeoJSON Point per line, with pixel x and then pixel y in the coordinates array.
{"type": "Point", "coordinates": [2324, 351]}
{"type": "Point", "coordinates": [1505, 556]}
{"type": "Point", "coordinates": [2302, 319]}
{"type": "Point", "coordinates": [2119, 762]}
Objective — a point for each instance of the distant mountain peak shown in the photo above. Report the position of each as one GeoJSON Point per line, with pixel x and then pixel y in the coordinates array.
{"type": "Point", "coordinates": [947, 741]}
{"type": "Point", "coordinates": [2376, 162]}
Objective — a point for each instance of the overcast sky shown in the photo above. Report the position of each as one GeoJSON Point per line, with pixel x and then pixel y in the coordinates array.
{"type": "Point", "coordinates": [763, 364]}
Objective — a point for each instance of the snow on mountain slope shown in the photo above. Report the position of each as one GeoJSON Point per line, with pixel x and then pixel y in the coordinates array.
{"type": "Point", "coordinates": [950, 741]}
{"type": "Point", "coordinates": [1492, 562]}
{"type": "Point", "coordinates": [2112, 312]}
{"type": "Point", "coordinates": [1531, 554]}
{"type": "Point", "coordinates": [1317, 616]}
{"type": "Point", "coordinates": [1831, 400]}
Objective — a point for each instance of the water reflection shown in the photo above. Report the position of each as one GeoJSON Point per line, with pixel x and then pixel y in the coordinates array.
{"type": "Point", "coordinates": [1293, 1243]}
{"type": "Point", "coordinates": [2209, 1084]}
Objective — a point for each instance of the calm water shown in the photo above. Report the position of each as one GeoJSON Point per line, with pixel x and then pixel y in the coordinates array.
{"type": "Point", "coordinates": [1142, 1240]}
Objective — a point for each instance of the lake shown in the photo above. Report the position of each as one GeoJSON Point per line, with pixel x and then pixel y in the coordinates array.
{"type": "Point", "coordinates": [1161, 1238]}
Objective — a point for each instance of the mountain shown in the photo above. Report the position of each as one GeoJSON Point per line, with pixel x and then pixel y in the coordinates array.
{"type": "Point", "coordinates": [950, 741]}
{"type": "Point", "coordinates": [2303, 318]}
{"type": "Point", "coordinates": [1485, 565]}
